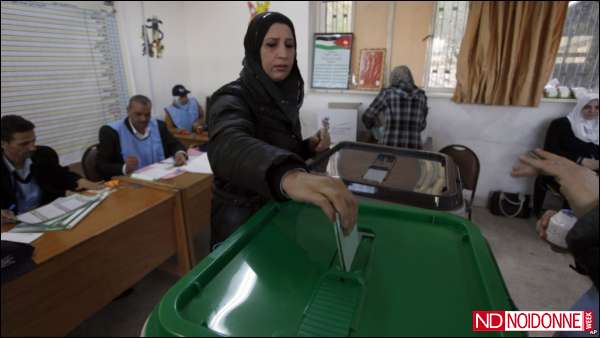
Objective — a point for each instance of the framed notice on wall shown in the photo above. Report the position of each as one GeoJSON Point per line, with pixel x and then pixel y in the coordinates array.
{"type": "Point", "coordinates": [370, 70]}
{"type": "Point", "coordinates": [331, 60]}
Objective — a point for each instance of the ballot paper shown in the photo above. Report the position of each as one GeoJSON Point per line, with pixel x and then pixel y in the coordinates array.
{"type": "Point", "coordinates": [62, 214]}
{"type": "Point", "coordinates": [55, 209]}
{"type": "Point", "coordinates": [347, 245]}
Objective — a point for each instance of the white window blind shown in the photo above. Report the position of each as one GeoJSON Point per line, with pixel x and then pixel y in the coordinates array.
{"type": "Point", "coordinates": [577, 60]}
{"type": "Point", "coordinates": [62, 69]}
{"type": "Point", "coordinates": [450, 21]}
{"type": "Point", "coordinates": [336, 17]}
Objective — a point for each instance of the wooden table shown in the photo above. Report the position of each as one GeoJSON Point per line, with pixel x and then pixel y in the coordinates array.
{"type": "Point", "coordinates": [194, 194]}
{"type": "Point", "coordinates": [82, 270]}
{"type": "Point", "coordinates": [193, 139]}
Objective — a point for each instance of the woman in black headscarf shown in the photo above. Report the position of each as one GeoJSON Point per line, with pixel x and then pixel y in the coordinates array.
{"type": "Point", "coordinates": [256, 149]}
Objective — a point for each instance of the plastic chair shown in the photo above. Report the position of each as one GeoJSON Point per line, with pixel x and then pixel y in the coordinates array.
{"type": "Point", "coordinates": [468, 165]}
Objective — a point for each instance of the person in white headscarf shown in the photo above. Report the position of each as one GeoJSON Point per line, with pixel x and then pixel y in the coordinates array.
{"type": "Point", "coordinates": [584, 118]}
{"type": "Point", "coordinates": [575, 137]}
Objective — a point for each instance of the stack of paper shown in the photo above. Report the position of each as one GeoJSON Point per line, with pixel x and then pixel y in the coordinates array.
{"type": "Point", "coordinates": [62, 214]}
{"type": "Point", "coordinates": [161, 170]}
{"type": "Point", "coordinates": [166, 169]}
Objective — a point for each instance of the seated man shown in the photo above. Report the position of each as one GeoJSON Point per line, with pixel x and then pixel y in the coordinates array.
{"type": "Point", "coordinates": [31, 176]}
{"type": "Point", "coordinates": [184, 114]}
{"type": "Point", "coordinates": [136, 142]}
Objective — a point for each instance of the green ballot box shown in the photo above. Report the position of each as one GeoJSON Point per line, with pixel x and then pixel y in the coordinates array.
{"type": "Point", "coordinates": [416, 272]}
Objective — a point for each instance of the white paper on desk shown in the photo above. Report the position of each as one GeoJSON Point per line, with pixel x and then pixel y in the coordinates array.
{"type": "Point", "coordinates": [347, 245]}
{"type": "Point", "coordinates": [72, 202]}
{"type": "Point", "coordinates": [192, 153]}
{"type": "Point", "coordinates": [155, 171]}
{"type": "Point", "coordinates": [52, 212]}
{"type": "Point", "coordinates": [29, 218]}
{"type": "Point", "coordinates": [42, 214]}
{"type": "Point", "coordinates": [48, 212]}
{"type": "Point", "coordinates": [78, 216]}
{"type": "Point", "coordinates": [198, 165]}
{"type": "Point", "coordinates": [67, 219]}
{"type": "Point", "coordinates": [26, 238]}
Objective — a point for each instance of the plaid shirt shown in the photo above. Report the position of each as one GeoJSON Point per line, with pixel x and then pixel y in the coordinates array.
{"type": "Point", "coordinates": [405, 116]}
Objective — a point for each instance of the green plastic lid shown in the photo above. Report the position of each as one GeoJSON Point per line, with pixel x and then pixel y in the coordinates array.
{"type": "Point", "coordinates": [416, 272]}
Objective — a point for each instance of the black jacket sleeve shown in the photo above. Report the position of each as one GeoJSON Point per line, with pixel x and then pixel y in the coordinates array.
{"type": "Point", "coordinates": [54, 179]}
{"type": "Point", "coordinates": [237, 156]}
{"type": "Point", "coordinates": [109, 162]}
{"type": "Point", "coordinates": [556, 138]}
{"type": "Point", "coordinates": [170, 144]}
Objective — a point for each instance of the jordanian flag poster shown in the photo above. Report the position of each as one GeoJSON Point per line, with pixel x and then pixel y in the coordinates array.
{"type": "Point", "coordinates": [331, 61]}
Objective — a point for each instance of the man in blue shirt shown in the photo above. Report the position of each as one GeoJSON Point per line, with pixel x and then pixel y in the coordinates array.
{"type": "Point", "coordinates": [185, 113]}
{"type": "Point", "coordinates": [136, 141]}
{"type": "Point", "coordinates": [31, 175]}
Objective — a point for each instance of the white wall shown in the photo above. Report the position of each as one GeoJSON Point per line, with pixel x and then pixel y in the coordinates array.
{"type": "Point", "coordinates": [211, 52]}
{"type": "Point", "coordinates": [151, 76]}
{"type": "Point", "coordinates": [216, 32]}
{"type": "Point", "coordinates": [498, 135]}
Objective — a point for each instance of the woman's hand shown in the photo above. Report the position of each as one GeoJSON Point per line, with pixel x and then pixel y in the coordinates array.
{"type": "Point", "coordinates": [578, 184]}
{"type": "Point", "coordinates": [542, 230]}
{"type": "Point", "coordinates": [542, 224]}
{"type": "Point", "coordinates": [321, 141]}
{"type": "Point", "coordinates": [590, 163]}
{"type": "Point", "coordinates": [328, 193]}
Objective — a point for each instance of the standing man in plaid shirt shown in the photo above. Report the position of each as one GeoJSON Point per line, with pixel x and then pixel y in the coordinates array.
{"type": "Point", "coordinates": [404, 107]}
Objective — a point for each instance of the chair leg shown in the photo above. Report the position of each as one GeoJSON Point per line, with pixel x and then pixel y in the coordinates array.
{"type": "Point", "coordinates": [469, 208]}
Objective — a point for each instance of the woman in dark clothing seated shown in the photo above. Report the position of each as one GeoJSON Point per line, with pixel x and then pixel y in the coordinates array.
{"type": "Point", "coordinates": [256, 149]}
{"type": "Point", "coordinates": [574, 137]}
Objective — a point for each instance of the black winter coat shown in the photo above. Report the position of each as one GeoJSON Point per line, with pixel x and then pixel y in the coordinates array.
{"type": "Point", "coordinates": [253, 143]}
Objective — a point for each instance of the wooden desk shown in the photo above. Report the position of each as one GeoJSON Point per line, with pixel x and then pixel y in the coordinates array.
{"type": "Point", "coordinates": [194, 198]}
{"type": "Point", "coordinates": [193, 139]}
{"type": "Point", "coordinates": [82, 270]}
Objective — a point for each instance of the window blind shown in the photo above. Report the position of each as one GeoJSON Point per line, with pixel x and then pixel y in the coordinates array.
{"type": "Point", "coordinates": [62, 69]}
{"type": "Point", "coordinates": [577, 59]}
{"type": "Point", "coordinates": [450, 21]}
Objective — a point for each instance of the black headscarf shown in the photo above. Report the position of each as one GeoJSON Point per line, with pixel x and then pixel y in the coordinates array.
{"type": "Point", "coordinates": [287, 94]}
